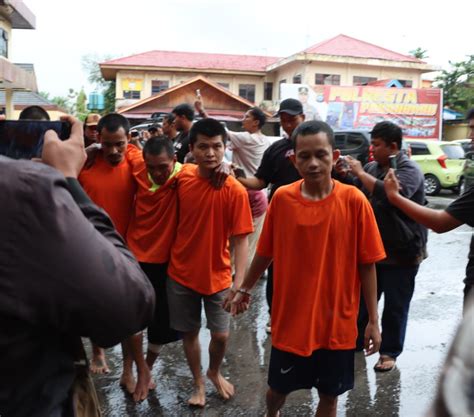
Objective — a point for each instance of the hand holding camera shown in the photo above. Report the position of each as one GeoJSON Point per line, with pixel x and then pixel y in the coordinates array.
{"type": "Point", "coordinates": [342, 167]}
{"type": "Point", "coordinates": [67, 156]}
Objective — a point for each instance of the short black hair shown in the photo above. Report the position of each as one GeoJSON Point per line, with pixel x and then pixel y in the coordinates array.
{"type": "Point", "coordinates": [313, 127]}
{"type": "Point", "coordinates": [158, 145]}
{"type": "Point", "coordinates": [184, 110]}
{"type": "Point", "coordinates": [34, 113]}
{"type": "Point", "coordinates": [259, 115]}
{"type": "Point", "coordinates": [388, 132]}
{"type": "Point", "coordinates": [208, 127]}
{"type": "Point", "coordinates": [153, 129]}
{"type": "Point", "coordinates": [470, 114]}
{"type": "Point", "coordinates": [169, 117]}
{"type": "Point", "coordinates": [113, 122]}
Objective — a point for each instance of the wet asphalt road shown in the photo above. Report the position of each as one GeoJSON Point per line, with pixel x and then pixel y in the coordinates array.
{"type": "Point", "coordinates": [406, 391]}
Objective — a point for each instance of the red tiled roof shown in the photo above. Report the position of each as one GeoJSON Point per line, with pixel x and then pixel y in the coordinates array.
{"type": "Point", "coordinates": [195, 60]}
{"type": "Point", "coordinates": [342, 45]}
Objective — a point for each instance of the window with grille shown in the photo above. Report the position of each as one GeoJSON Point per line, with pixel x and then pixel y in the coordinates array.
{"type": "Point", "coordinates": [358, 80]}
{"type": "Point", "coordinates": [157, 86]}
{"type": "Point", "coordinates": [247, 91]}
{"type": "Point", "coordinates": [327, 79]}
{"type": "Point", "coordinates": [131, 94]}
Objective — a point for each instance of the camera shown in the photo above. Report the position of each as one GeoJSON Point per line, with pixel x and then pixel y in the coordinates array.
{"type": "Point", "coordinates": [23, 139]}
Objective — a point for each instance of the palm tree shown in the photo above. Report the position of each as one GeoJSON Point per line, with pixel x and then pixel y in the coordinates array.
{"type": "Point", "coordinates": [419, 53]}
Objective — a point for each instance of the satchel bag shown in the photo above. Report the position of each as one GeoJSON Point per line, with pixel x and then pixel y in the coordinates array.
{"type": "Point", "coordinates": [84, 396]}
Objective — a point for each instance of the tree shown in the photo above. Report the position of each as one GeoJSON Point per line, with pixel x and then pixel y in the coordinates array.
{"type": "Point", "coordinates": [44, 94]}
{"type": "Point", "coordinates": [419, 53]}
{"type": "Point", "coordinates": [62, 103]}
{"type": "Point", "coordinates": [81, 110]}
{"type": "Point", "coordinates": [90, 63]}
{"type": "Point", "coordinates": [458, 85]}
{"type": "Point", "coordinates": [66, 103]}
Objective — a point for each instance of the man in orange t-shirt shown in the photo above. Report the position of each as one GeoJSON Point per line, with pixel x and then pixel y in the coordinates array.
{"type": "Point", "coordinates": [109, 182]}
{"type": "Point", "coordinates": [152, 230]}
{"type": "Point", "coordinates": [317, 278]}
{"type": "Point", "coordinates": [199, 269]}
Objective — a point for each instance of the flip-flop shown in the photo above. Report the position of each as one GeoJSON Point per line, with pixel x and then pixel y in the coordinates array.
{"type": "Point", "coordinates": [379, 365]}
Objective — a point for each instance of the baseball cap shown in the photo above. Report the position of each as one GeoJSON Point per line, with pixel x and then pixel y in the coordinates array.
{"type": "Point", "coordinates": [290, 106]}
{"type": "Point", "coordinates": [92, 119]}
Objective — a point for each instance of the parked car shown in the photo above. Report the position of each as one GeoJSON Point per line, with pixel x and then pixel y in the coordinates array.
{"type": "Point", "coordinates": [441, 163]}
{"type": "Point", "coordinates": [467, 176]}
{"type": "Point", "coordinates": [467, 144]}
{"type": "Point", "coordinates": [357, 144]}
{"type": "Point", "coordinates": [146, 125]}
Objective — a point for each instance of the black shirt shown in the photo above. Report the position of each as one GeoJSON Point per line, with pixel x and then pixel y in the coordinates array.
{"type": "Point", "coordinates": [276, 167]}
{"type": "Point", "coordinates": [64, 271]}
{"type": "Point", "coordinates": [404, 239]}
{"type": "Point", "coordinates": [463, 210]}
{"type": "Point", "coordinates": [181, 146]}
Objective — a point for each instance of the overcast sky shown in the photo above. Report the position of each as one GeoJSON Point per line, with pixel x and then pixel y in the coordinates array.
{"type": "Point", "coordinates": [67, 30]}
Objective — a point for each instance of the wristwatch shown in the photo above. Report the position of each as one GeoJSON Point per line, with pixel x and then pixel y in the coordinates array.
{"type": "Point", "coordinates": [244, 292]}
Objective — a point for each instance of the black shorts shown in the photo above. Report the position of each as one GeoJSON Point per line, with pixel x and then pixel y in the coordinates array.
{"type": "Point", "coordinates": [330, 371]}
{"type": "Point", "coordinates": [159, 330]}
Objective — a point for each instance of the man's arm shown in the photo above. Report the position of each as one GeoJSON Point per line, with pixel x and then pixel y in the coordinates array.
{"type": "Point", "coordinates": [109, 297]}
{"type": "Point", "coordinates": [367, 180]}
{"type": "Point", "coordinates": [252, 183]}
{"type": "Point", "coordinates": [241, 301]}
{"type": "Point", "coordinates": [368, 280]}
{"type": "Point", "coordinates": [438, 220]}
{"type": "Point", "coordinates": [82, 255]}
{"type": "Point", "coordinates": [236, 138]}
{"type": "Point", "coordinates": [199, 106]}
{"type": "Point", "coordinates": [241, 254]}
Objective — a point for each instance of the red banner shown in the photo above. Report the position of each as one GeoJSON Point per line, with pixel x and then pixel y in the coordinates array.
{"type": "Point", "coordinates": [416, 111]}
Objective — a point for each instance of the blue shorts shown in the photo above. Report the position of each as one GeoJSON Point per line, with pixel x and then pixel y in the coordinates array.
{"type": "Point", "coordinates": [331, 372]}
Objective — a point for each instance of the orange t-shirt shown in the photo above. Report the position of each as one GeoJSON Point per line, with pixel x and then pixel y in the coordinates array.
{"type": "Point", "coordinates": [155, 218]}
{"type": "Point", "coordinates": [316, 248]}
{"type": "Point", "coordinates": [200, 257]}
{"type": "Point", "coordinates": [112, 188]}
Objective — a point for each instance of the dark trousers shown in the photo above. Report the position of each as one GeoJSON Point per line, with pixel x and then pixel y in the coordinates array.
{"type": "Point", "coordinates": [468, 289]}
{"type": "Point", "coordinates": [159, 330]}
{"type": "Point", "coordinates": [397, 283]}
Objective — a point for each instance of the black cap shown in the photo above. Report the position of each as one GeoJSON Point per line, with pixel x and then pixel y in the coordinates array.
{"type": "Point", "coordinates": [290, 106]}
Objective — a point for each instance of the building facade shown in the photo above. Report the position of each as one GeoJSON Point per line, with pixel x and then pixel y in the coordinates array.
{"type": "Point", "coordinates": [342, 60]}
{"type": "Point", "coordinates": [14, 14]}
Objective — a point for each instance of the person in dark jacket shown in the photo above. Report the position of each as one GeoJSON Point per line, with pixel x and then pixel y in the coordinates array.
{"type": "Point", "coordinates": [64, 273]}
{"type": "Point", "coordinates": [183, 119]}
{"type": "Point", "coordinates": [404, 239]}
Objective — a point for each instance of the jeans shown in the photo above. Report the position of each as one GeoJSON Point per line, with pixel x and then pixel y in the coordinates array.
{"type": "Point", "coordinates": [397, 283]}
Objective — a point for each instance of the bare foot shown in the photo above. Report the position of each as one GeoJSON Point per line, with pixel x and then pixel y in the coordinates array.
{"type": "Point", "coordinates": [385, 364]}
{"type": "Point", "coordinates": [224, 387]}
{"type": "Point", "coordinates": [98, 365]}
{"type": "Point", "coordinates": [198, 398]}
{"type": "Point", "coordinates": [127, 381]}
{"type": "Point", "coordinates": [143, 383]}
{"type": "Point", "coordinates": [152, 385]}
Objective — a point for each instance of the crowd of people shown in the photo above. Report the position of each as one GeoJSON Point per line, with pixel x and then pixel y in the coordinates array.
{"type": "Point", "coordinates": [151, 230]}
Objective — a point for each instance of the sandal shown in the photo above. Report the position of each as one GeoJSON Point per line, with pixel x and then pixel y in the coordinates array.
{"type": "Point", "coordinates": [385, 364]}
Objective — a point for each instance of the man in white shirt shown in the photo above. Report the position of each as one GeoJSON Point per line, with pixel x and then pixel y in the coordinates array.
{"type": "Point", "coordinates": [247, 152]}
